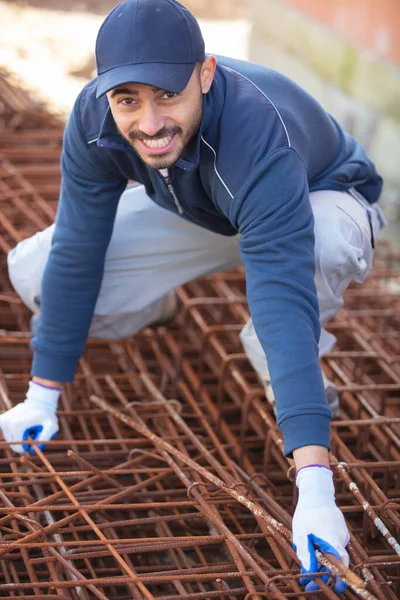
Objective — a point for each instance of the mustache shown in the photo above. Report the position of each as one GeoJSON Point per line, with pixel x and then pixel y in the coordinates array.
{"type": "Point", "coordinates": [164, 132]}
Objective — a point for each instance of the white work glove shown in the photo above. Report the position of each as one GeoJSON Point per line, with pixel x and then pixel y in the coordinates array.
{"type": "Point", "coordinates": [318, 523]}
{"type": "Point", "coordinates": [35, 417]}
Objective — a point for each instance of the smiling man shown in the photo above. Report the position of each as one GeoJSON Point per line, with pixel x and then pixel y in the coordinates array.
{"type": "Point", "coordinates": [232, 157]}
{"type": "Point", "coordinates": [160, 124]}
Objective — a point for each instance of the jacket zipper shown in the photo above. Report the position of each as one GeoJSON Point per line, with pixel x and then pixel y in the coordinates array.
{"type": "Point", "coordinates": [171, 190]}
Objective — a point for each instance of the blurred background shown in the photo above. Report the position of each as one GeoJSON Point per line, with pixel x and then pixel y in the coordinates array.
{"type": "Point", "coordinates": [346, 53]}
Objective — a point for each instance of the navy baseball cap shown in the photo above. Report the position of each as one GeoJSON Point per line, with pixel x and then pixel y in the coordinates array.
{"type": "Point", "coordinates": [155, 42]}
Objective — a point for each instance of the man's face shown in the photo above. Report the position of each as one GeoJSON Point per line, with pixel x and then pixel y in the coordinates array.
{"type": "Point", "coordinates": [159, 124]}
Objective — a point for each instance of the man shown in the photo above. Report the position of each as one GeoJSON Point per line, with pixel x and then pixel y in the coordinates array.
{"type": "Point", "coordinates": [238, 150]}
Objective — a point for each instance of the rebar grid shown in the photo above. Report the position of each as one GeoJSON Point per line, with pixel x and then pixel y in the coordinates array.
{"type": "Point", "coordinates": [19, 111]}
{"type": "Point", "coordinates": [189, 494]}
{"type": "Point", "coordinates": [366, 372]}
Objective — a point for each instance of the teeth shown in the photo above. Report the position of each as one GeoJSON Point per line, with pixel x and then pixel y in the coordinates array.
{"type": "Point", "coordinates": [158, 143]}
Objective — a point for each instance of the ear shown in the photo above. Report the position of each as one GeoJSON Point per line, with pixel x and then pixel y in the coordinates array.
{"type": "Point", "coordinates": [207, 73]}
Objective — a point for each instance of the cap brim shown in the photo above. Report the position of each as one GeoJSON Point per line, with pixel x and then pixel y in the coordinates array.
{"type": "Point", "coordinates": [165, 76]}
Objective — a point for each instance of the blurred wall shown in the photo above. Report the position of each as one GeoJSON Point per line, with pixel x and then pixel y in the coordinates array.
{"type": "Point", "coordinates": [370, 24]}
{"type": "Point", "coordinates": [346, 53]}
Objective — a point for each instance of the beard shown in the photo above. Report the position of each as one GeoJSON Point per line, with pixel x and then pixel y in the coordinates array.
{"type": "Point", "coordinates": [181, 142]}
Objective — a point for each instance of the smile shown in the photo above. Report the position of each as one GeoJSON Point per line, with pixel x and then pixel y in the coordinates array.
{"type": "Point", "coordinates": [160, 143]}
{"type": "Point", "coordinates": [158, 146]}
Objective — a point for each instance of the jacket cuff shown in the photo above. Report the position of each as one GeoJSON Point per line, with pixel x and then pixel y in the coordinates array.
{"type": "Point", "coordinates": [55, 367]}
{"type": "Point", "coordinates": [305, 430]}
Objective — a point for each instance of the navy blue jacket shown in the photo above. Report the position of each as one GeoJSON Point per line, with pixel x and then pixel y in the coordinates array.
{"type": "Point", "coordinates": [263, 144]}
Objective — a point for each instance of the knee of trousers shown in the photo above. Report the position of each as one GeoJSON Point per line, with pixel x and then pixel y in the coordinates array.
{"type": "Point", "coordinates": [26, 263]}
{"type": "Point", "coordinates": [343, 250]}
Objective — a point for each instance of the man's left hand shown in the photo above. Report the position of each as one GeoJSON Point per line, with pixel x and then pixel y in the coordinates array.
{"type": "Point", "coordinates": [318, 524]}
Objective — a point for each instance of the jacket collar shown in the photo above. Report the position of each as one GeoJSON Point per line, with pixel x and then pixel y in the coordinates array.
{"type": "Point", "coordinates": [109, 136]}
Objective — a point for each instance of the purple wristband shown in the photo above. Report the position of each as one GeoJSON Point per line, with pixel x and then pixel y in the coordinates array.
{"type": "Point", "coordinates": [47, 387]}
{"type": "Point", "coordinates": [306, 467]}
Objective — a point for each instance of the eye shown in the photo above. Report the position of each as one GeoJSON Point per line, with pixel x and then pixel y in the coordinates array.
{"type": "Point", "coordinates": [126, 101]}
{"type": "Point", "coordinates": [169, 95]}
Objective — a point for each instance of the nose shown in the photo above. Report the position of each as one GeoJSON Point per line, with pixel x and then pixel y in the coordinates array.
{"type": "Point", "coordinates": [151, 121]}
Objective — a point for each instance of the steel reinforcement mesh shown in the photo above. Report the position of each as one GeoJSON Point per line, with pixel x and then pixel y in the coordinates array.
{"type": "Point", "coordinates": [167, 479]}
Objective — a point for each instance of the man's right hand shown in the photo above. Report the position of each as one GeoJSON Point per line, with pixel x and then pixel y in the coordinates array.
{"type": "Point", "coordinates": [34, 418]}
